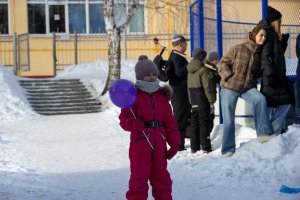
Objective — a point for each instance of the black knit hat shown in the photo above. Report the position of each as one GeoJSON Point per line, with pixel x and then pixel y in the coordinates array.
{"type": "Point", "coordinates": [199, 54]}
{"type": "Point", "coordinates": [273, 14]}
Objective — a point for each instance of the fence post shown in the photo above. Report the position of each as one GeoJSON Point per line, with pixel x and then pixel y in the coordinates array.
{"type": "Point", "coordinates": [220, 45]}
{"type": "Point", "coordinates": [125, 44]}
{"type": "Point", "coordinates": [75, 49]}
{"type": "Point", "coordinates": [264, 8]}
{"type": "Point", "coordinates": [15, 53]}
{"type": "Point", "coordinates": [28, 52]}
{"type": "Point", "coordinates": [191, 30]}
{"type": "Point", "coordinates": [54, 53]}
{"type": "Point", "coordinates": [201, 23]}
{"type": "Point", "coordinates": [289, 50]}
{"type": "Point", "coordinates": [219, 27]}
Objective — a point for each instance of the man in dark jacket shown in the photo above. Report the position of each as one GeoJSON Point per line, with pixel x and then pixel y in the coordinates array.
{"type": "Point", "coordinates": [178, 82]}
{"type": "Point", "coordinates": [274, 80]}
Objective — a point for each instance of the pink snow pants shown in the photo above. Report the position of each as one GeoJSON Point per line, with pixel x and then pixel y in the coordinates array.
{"type": "Point", "coordinates": [146, 164]}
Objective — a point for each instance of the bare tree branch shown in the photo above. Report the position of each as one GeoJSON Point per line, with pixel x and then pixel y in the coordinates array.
{"type": "Point", "coordinates": [131, 7]}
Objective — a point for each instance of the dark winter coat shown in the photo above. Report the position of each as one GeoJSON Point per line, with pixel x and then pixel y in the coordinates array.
{"type": "Point", "coordinates": [178, 73]}
{"type": "Point", "coordinates": [274, 80]}
{"type": "Point", "coordinates": [201, 77]}
{"type": "Point", "coordinates": [237, 69]}
{"type": "Point", "coordinates": [216, 74]}
{"type": "Point", "coordinates": [298, 70]}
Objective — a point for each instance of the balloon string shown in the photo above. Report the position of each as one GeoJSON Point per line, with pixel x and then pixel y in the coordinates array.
{"type": "Point", "coordinates": [143, 132]}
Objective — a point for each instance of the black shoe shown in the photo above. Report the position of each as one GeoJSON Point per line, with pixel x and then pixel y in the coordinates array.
{"type": "Point", "coordinates": [181, 149]}
{"type": "Point", "coordinates": [207, 151]}
{"type": "Point", "coordinates": [194, 150]}
{"type": "Point", "coordinates": [283, 131]}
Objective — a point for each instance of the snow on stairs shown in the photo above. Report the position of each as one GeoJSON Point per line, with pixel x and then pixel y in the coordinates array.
{"type": "Point", "coordinates": [59, 96]}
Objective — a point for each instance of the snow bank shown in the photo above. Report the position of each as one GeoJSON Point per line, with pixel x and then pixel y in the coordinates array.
{"type": "Point", "coordinates": [13, 102]}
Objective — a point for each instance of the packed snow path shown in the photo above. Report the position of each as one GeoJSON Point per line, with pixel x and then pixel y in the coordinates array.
{"type": "Point", "coordinates": [85, 157]}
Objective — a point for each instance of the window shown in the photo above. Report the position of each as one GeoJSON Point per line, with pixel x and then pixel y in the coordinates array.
{"type": "Point", "coordinates": [4, 17]}
{"type": "Point", "coordinates": [137, 22]}
{"type": "Point", "coordinates": [70, 16]}
{"type": "Point", "coordinates": [57, 18]}
{"type": "Point", "coordinates": [97, 24]}
{"type": "Point", "coordinates": [77, 21]}
{"type": "Point", "coordinates": [36, 18]}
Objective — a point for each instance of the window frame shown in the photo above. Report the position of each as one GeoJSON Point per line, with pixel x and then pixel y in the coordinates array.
{"type": "Point", "coordinates": [7, 3]}
{"type": "Point", "coordinates": [138, 33]}
{"type": "Point", "coordinates": [87, 3]}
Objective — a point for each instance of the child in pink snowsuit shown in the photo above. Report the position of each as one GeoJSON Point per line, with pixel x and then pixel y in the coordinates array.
{"type": "Point", "coordinates": [153, 115]}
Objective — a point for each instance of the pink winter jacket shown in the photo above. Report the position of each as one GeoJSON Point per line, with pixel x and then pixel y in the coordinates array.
{"type": "Point", "coordinates": [152, 107]}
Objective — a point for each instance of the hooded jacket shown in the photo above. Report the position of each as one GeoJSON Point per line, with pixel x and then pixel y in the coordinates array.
{"type": "Point", "coordinates": [201, 77]}
{"type": "Point", "coordinates": [274, 80]}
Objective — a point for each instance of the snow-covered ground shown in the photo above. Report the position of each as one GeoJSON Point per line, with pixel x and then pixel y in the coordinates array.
{"type": "Point", "coordinates": [85, 157]}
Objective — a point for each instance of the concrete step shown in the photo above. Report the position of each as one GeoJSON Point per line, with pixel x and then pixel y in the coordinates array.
{"type": "Point", "coordinates": [65, 101]}
{"type": "Point", "coordinates": [74, 108]}
{"type": "Point", "coordinates": [49, 81]}
{"type": "Point", "coordinates": [59, 96]}
{"type": "Point", "coordinates": [54, 87]}
{"type": "Point", "coordinates": [68, 112]}
{"type": "Point", "coordinates": [55, 90]}
{"type": "Point", "coordinates": [66, 105]}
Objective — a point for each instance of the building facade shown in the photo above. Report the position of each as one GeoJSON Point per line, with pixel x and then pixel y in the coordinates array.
{"type": "Point", "coordinates": [41, 37]}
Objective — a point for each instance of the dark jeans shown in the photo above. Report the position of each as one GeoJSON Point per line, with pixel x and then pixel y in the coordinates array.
{"type": "Point", "coordinates": [297, 86]}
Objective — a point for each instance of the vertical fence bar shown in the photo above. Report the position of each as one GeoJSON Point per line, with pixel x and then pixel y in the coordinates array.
{"type": "Point", "coordinates": [201, 24]}
{"type": "Point", "coordinates": [220, 45]}
{"type": "Point", "coordinates": [192, 31]}
{"type": "Point", "coordinates": [219, 27]}
{"type": "Point", "coordinates": [18, 54]}
{"type": "Point", "coordinates": [264, 8]}
{"type": "Point", "coordinates": [75, 49]}
{"type": "Point", "coordinates": [54, 53]}
{"type": "Point", "coordinates": [125, 45]}
{"type": "Point", "coordinates": [28, 52]}
{"type": "Point", "coordinates": [15, 53]}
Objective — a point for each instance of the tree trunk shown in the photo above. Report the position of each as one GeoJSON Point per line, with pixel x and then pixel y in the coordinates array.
{"type": "Point", "coordinates": [114, 37]}
{"type": "Point", "coordinates": [114, 58]}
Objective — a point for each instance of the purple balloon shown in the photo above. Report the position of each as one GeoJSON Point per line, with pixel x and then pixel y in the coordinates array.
{"type": "Point", "coordinates": [122, 93]}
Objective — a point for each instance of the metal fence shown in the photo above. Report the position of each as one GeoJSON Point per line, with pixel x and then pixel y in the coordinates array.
{"type": "Point", "coordinates": [213, 29]}
{"type": "Point", "coordinates": [69, 49]}
{"type": "Point", "coordinates": [14, 52]}
{"type": "Point", "coordinates": [8, 51]}
{"type": "Point", "coordinates": [23, 62]}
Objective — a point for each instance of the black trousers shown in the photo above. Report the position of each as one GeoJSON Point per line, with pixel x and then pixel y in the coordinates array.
{"type": "Point", "coordinates": [182, 112]}
{"type": "Point", "coordinates": [201, 126]}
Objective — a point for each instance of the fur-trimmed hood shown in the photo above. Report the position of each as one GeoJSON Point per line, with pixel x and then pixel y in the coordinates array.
{"type": "Point", "coordinates": [167, 91]}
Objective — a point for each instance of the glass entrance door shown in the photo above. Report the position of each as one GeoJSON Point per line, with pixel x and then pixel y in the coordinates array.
{"type": "Point", "coordinates": [57, 18]}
